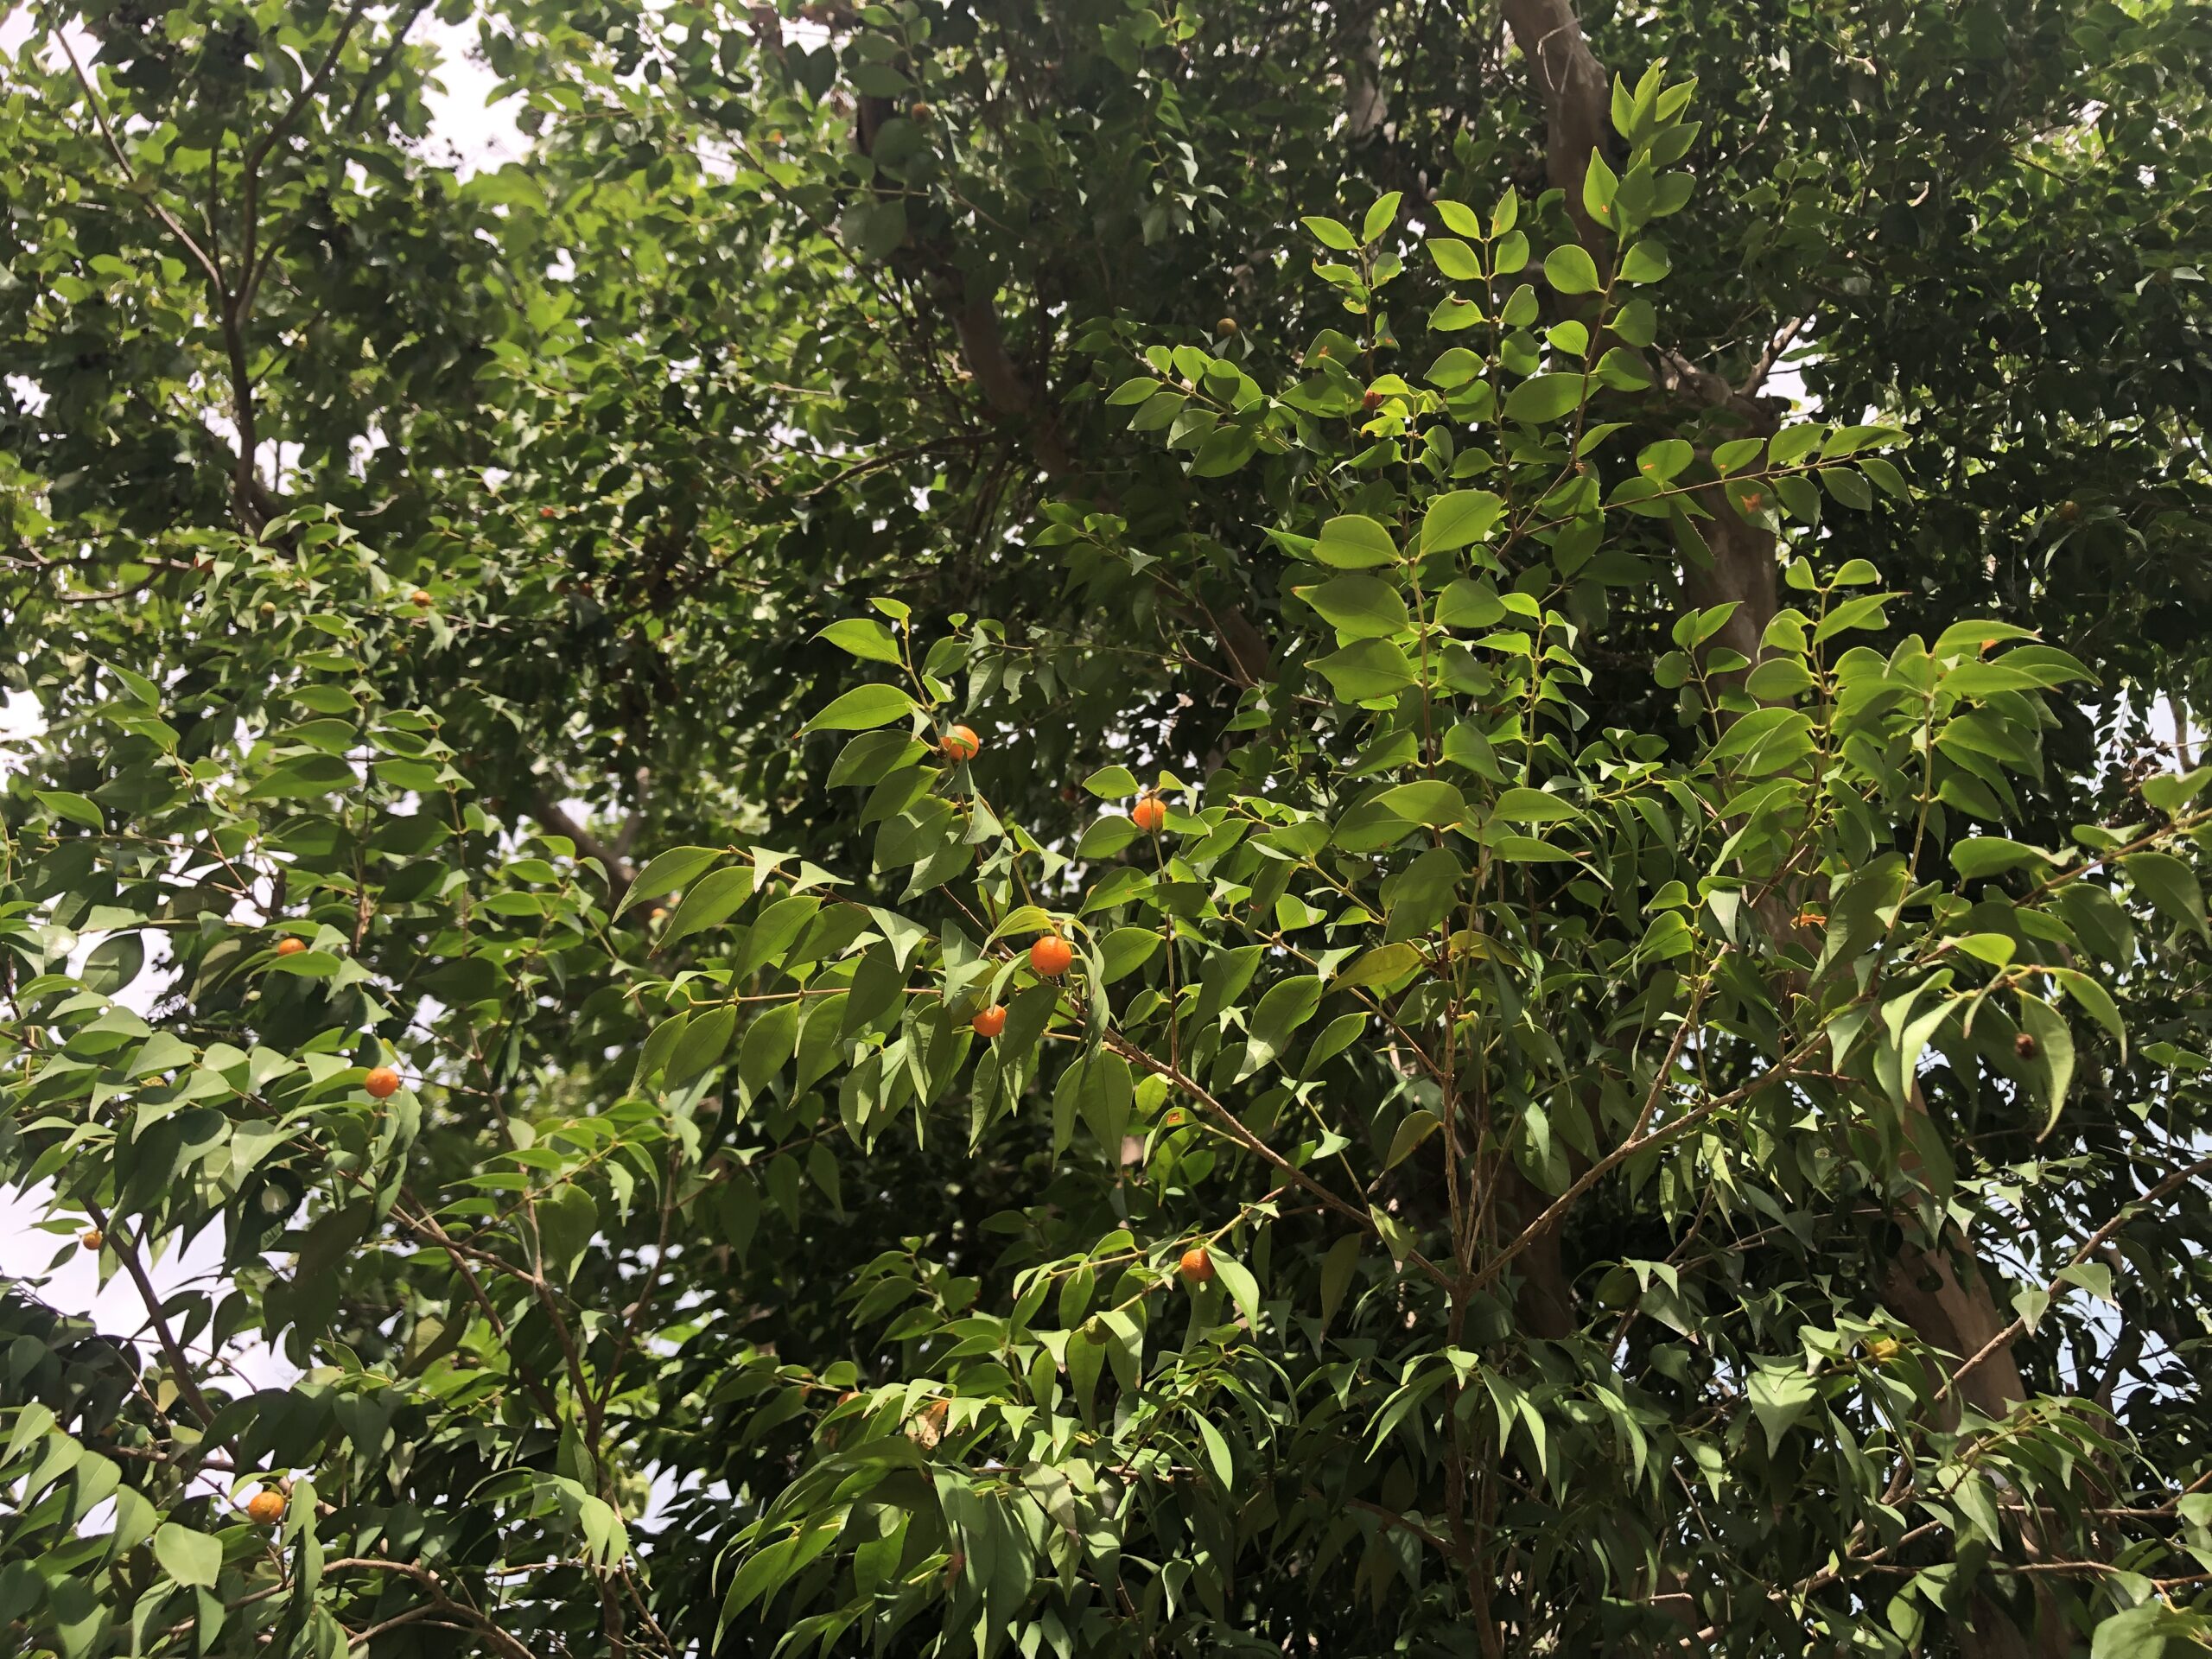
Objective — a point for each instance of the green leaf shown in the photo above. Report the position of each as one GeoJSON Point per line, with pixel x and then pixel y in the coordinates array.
{"type": "Point", "coordinates": [1379, 216]}
{"type": "Point", "coordinates": [1430, 802]}
{"type": "Point", "coordinates": [1366, 671]}
{"type": "Point", "coordinates": [1358, 607]}
{"type": "Point", "coordinates": [1417, 1126]}
{"type": "Point", "coordinates": [2170, 885]}
{"type": "Point", "coordinates": [1981, 856]}
{"type": "Point", "coordinates": [1287, 1005]}
{"type": "Point", "coordinates": [1570, 270]}
{"type": "Point", "coordinates": [1331, 233]}
{"type": "Point", "coordinates": [1459, 518]}
{"type": "Point", "coordinates": [1532, 806]}
{"type": "Point", "coordinates": [2051, 1070]}
{"type": "Point", "coordinates": [75, 808]}
{"type": "Point", "coordinates": [666, 872]}
{"type": "Point", "coordinates": [712, 902]}
{"type": "Point", "coordinates": [865, 638]}
{"type": "Point", "coordinates": [862, 707]}
{"type": "Point", "coordinates": [1544, 397]}
{"type": "Point", "coordinates": [1111, 783]}
{"type": "Point", "coordinates": [1781, 1395]}
{"type": "Point", "coordinates": [1355, 541]}
{"type": "Point", "coordinates": [189, 1557]}
{"type": "Point", "coordinates": [1337, 1269]}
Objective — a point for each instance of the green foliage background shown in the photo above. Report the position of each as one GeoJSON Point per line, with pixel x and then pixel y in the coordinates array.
{"type": "Point", "coordinates": [1670, 989]}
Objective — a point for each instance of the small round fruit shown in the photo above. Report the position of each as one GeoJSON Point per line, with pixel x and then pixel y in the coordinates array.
{"type": "Point", "coordinates": [660, 914]}
{"type": "Point", "coordinates": [545, 513]}
{"type": "Point", "coordinates": [381, 1083]}
{"type": "Point", "coordinates": [1881, 1350]}
{"type": "Point", "coordinates": [2025, 1045]}
{"type": "Point", "coordinates": [1196, 1266]}
{"type": "Point", "coordinates": [961, 743]}
{"type": "Point", "coordinates": [1226, 325]}
{"type": "Point", "coordinates": [265, 1507]}
{"type": "Point", "coordinates": [91, 1238]}
{"type": "Point", "coordinates": [1149, 814]}
{"type": "Point", "coordinates": [2069, 511]}
{"type": "Point", "coordinates": [1051, 955]}
{"type": "Point", "coordinates": [268, 608]}
{"type": "Point", "coordinates": [920, 112]}
{"type": "Point", "coordinates": [990, 1021]}
{"type": "Point", "coordinates": [418, 597]}
{"type": "Point", "coordinates": [290, 947]}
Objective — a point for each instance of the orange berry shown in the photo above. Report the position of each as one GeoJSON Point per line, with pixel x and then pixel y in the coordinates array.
{"type": "Point", "coordinates": [1149, 814]}
{"type": "Point", "coordinates": [382, 1083]}
{"type": "Point", "coordinates": [1196, 1266]}
{"type": "Point", "coordinates": [989, 1022]}
{"type": "Point", "coordinates": [545, 513]}
{"type": "Point", "coordinates": [92, 1238]}
{"type": "Point", "coordinates": [961, 743]}
{"type": "Point", "coordinates": [266, 1507]}
{"type": "Point", "coordinates": [1226, 326]}
{"type": "Point", "coordinates": [1051, 955]}
{"type": "Point", "coordinates": [290, 947]}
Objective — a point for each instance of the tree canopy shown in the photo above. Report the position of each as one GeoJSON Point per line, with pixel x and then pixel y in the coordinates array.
{"type": "Point", "coordinates": [1106, 830]}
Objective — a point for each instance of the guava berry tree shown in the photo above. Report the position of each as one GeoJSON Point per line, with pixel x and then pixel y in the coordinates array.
{"type": "Point", "coordinates": [1082, 833]}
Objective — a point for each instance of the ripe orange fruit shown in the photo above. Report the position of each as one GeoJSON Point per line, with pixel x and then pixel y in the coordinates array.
{"type": "Point", "coordinates": [382, 1083]}
{"type": "Point", "coordinates": [418, 597]}
{"type": "Point", "coordinates": [290, 947]}
{"type": "Point", "coordinates": [989, 1022]}
{"type": "Point", "coordinates": [1226, 326]}
{"type": "Point", "coordinates": [545, 513]}
{"type": "Point", "coordinates": [961, 743]}
{"type": "Point", "coordinates": [1051, 955]}
{"type": "Point", "coordinates": [920, 112]}
{"type": "Point", "coordinates": [266, 1506]}
{"type": "Point", "coordinates": [92, 1238]}
{"type": "Point", "coordinates": [1149, 814]}
{"type": "Point", "coordinates": [1196, 1266]}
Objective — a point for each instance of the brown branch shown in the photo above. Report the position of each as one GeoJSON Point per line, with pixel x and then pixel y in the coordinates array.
{"type": "Point", "coordinates": [187, 1385]}
{"type": "Point", "coordinates": [144, 192]}
{"type": "Point", "coordinates": [2010, 1333]}
{"type": "Point", "coordinates": [1781, 1070]}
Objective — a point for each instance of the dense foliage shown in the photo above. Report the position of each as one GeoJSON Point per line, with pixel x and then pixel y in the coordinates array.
{"type": "Point", "coordinates": [1081, 829]}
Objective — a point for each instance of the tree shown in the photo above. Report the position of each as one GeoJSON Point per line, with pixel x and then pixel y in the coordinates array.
{"type": "Point", "coordinates": [1643, 1095]}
